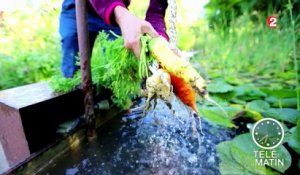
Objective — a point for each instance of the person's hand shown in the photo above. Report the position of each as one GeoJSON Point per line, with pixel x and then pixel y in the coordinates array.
{"type": "Point", "coordinates": [132, 29]}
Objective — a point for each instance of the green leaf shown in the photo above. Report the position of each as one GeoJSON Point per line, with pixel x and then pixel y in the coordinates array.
{"type": "Point", "coordinates": [254, 115]}
{"type": "Point", "coordinates": [247, 160]}
{"type": "Point", "coordinates": [237, 157]}
{"type": "Point", "coordinates": [234, 80]}
{"type": "Point", "coordinates": [238, 101]}
{"type": "Point", "coordinates": [219, 86]}
{"type": "Point", "coordinates": [258, 105]}
{"type": "Point", "coordinates": [286, 114]}
{"type": "Point", "coordinates": [255, 108]}
{"type": "Point", "coordinates": [225, 96]}
{"type": "Point", "coordinates": [281, 93]}
{"type": "Point", "coordinates": [243, 149]}
{"type": "Point", "coordinates": [216, 115]}
{"type": "Point", "coordinates": [283, 103]}
{"type": "Point", "coordinates": [228, 165]}
{"type": "Point", "coordinates": [294, 142]}
{"type": "Point", "coordinates": [287, 75]}
{"type": "Point", "coordinates": [248, 92]}
{"type": "Point", "coordinates": [283, 154]}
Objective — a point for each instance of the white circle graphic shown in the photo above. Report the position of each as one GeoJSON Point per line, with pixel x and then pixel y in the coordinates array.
{"type": "Point", "coordinates": [261, 123]}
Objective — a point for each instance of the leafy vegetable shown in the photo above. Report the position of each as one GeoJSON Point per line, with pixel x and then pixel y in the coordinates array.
{"type": "Point", "coordinates": [114, 68]}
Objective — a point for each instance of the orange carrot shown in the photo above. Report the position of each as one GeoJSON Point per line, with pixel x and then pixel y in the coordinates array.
{"type": "Point", "coordinates": [184, 91]}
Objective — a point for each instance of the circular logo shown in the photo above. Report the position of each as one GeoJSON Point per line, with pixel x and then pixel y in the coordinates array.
{"type": "Point", "coordinates": [268, 133]}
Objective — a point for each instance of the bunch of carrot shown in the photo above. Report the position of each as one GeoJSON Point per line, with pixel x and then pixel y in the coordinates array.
{"type": "Point", "coordinates": [184, 78]}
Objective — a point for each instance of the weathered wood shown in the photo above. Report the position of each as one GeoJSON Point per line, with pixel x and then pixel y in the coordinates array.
{"type": "Point", "coordinates": [27, 95]}
{"type": "Point", "coordinates": [40, 160]}
{"type": "Point", "coordinates": [29, 117]}
{"type": "Point", "coordinates": [12, 137]}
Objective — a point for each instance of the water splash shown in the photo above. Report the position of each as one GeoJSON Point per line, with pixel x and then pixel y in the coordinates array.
{"type": "Point", "coordinates": [161, 142]}
{"type": "Point", "coordinates": [172, 23]}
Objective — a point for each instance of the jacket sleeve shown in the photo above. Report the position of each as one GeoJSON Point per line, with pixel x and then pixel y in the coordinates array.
{"type": "Point", "coordinates": [105, 8]}
{"type": "Point", "coordinates": [156, 16]}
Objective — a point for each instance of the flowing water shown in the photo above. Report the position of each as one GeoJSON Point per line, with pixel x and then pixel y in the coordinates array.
{"type": "Point", "coordinates": [172, 23]}
{"type": "Point", "coordinates": [162, 142]}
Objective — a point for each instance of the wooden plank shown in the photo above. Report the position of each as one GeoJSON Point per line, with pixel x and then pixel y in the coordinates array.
{"type": "Point", "coordinates": [29, 117]}
{"type": "Point", "coordinates": [27, 95]}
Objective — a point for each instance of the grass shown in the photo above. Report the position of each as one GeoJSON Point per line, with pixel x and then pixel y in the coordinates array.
{"type": "Point", "coordinates": [293, 31]}
{"type": "Point", "coordinates": [247, 46]}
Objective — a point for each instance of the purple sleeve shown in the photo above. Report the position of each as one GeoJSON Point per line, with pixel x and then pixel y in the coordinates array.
{"type": "Point", "coordinates": [105, 8]}
{"type": "Point", "coordinates": [156, 16]}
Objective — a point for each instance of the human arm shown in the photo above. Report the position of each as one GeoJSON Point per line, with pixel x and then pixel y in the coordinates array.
{"type": "Point", "coordinates": [114, 12]}
{"type": "Point", "coordinates": [156, 16]}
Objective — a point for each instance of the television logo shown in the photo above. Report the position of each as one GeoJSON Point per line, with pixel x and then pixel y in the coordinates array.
{"type": "Point", "coordinates": [268, 134]}
{"type": "Point", "coordinates": [271, 21]}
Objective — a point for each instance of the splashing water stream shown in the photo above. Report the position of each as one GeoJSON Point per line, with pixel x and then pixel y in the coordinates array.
{"type": "Point", "coordinates": [161, 142]}
{"type": "Point", "coordinates": [172, 23]}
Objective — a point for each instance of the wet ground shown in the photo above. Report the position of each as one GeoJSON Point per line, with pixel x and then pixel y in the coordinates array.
{"type": "Point", "coordinates": [161, 142]}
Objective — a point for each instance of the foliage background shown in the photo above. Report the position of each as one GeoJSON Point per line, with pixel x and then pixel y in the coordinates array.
{"type": "Point", "coordinates": [29, 40]}
{"type": "Point", "coordinates": [31, 49]}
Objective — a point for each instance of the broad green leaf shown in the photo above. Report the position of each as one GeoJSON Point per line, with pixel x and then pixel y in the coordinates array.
{"type": "Point", "coordinates": [286, 114]}
{"type": "Point", "coordinates": [277, 85]}
{"type": "Point", "coordinates": [287, 75]}
{"type": "Point", "coordinates": [219, 86]}
{"type": "Point", "coordinates": [283, 154]}
{"type": "Point", "coordinates": [258, 105]}
{"type": "Point", "coordinates": [255, 108]}
{"type": "Point", "coordinates": [248, 92]}
{"type": "Point", "coordinates": [254, 115]}
{"type": "Point", "coordinates": [294, 145]}
{"type": "Point", "coordinates": [243, 152]}
{"type": "Point", "coordinates": [228, 165]}
{"type": "Point", "coordinates": [247, 160]}
{"type": "Point", "coordinates": [283, 103]}
{"type": "Point", "coordinates": [216, 115]}
{"type": "Point", "coordinates": [294, 142]}
{"type": "Point", "coordinates": [281, 93]}
{"type": "Point", "coordinates": [217, 99]}
{"type": "Point", "coordinates": [237, 158]}
{"type": "Point", "coordinates": [234, 80]}
{"type": "Point", "coordinates": [225, 96]}
{"type": "Point", "coordinates": [238, 101]}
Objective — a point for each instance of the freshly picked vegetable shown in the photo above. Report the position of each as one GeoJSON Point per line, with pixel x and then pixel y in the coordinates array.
{"type": "Point", "coordinates": [113, 67]}
{"type": "Point", "coordinates": [116, 68]}
{"type": "Point", "coordinates": [172, 63]}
